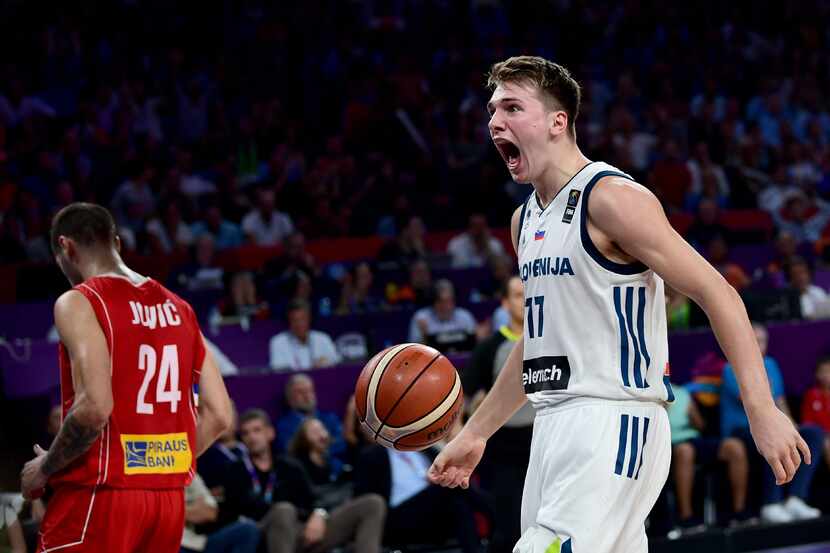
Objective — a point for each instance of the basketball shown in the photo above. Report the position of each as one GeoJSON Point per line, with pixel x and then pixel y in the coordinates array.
{"type": "Point", "coordinates": [408, 397]}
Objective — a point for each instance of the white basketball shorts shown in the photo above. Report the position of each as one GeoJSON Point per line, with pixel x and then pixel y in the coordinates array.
{"type": "Point", "coordinates": [596, 470]}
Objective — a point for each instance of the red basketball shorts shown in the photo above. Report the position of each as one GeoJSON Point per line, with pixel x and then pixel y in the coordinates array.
{"type": "Point", "coordinates": [81, 519]}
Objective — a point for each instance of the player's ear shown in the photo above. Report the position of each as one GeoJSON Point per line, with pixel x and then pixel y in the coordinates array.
{"type": "Point", "coordinates": [557, 122]}
{"type": "Point", "coordinates": [66, 246]}
{"type": "Point", "coordinates": [117, 243]}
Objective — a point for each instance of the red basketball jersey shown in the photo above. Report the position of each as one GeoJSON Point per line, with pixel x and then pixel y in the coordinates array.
{"type": "Point", "coordinates": [156, 355]}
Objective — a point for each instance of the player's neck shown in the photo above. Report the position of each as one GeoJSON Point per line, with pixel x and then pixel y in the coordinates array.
{"type": "Point", "coordinates": [560, 171]}
{"type": "Point", "coordinates": [108, 265]}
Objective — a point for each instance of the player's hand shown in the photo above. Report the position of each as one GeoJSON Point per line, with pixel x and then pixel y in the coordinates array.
{"type": "Point", "coordinates": [314, 530]}
{"type": "Point", "coordinates": [457, 461]}
{"type": "Point", "coordinates": [779, 442]}
{"type": "Point", "coordinates": [32, 479]}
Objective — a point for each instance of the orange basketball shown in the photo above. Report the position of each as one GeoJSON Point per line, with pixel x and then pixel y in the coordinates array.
{"type": "Point", "coordinates": [408, 397]}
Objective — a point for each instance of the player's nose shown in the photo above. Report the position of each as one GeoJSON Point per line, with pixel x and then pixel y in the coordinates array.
{"type": "Point", "coordinates": [495, 124]}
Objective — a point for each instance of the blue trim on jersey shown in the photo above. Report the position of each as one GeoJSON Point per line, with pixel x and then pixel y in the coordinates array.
{"type": "Point", "coordinates": [669, 391]}
{"type": "Point", "coordinates": [635, 436]}
{"type": "Point", "coordinates": [566, 547]}
{"type": "Point", "coordinates": [629, 312]}
{"type": "Point", "coordinates": [643, 452]}
{"type": "Point", "coordinates": [619, 268]}
{"type": "Point", "coordinates": [621, 446]}
{"type": "Point", "coordinates": [641, 327]}
{"type": "Point", "coordinates": [623, 338]}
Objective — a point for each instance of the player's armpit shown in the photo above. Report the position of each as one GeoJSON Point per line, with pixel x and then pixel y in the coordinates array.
{"type": "Point", "coordinates": [215, 415]}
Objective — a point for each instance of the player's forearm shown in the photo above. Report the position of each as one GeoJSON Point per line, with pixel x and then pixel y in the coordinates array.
{"type": "Point", "coordinates": [79, 430]}
{"type": "Point", "coordinates": [504, 398]}
{"type": "Point", "coordinates": [731, 326]}
{"type": "Point", "coordinates": [208, 429]}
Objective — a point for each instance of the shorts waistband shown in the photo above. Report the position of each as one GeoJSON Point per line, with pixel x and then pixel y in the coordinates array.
{"type": "Point", "coordinates": [581, 401]}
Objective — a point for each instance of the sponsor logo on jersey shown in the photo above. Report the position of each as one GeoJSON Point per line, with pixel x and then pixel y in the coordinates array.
{"type": "Point", "coordinates": [160, 315]}
{"type": "Point", "coordinates": [547, 266]}
{"type": "Point", "coordinates": [568, 216]}
{"type": "Point", "coordinates": [573, 198]}
{"type": "Point", "coordinates": [156, 453]}
{"type": "Point", "coordinates": [546, 373]}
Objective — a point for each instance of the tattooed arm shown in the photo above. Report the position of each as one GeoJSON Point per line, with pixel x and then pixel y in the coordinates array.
{"type": "Point", "coordinates": [89, 355]}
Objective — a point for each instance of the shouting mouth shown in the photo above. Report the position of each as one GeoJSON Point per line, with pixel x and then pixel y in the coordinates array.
{"type": "Point", "coordinates": [510, 153]}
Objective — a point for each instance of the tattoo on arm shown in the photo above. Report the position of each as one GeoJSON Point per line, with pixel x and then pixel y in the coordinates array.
{"type": "Point", "coordinates": [71, 442]}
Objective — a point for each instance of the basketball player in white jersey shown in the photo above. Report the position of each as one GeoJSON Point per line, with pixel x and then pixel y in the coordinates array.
{"type": "Point", "coordinates": [594, 249]}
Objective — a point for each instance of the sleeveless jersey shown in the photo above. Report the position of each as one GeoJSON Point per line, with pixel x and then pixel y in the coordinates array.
{"type": "Point", "coordinates": [156, 353]}
{"type": "Point", "coordinates": [593, 327]}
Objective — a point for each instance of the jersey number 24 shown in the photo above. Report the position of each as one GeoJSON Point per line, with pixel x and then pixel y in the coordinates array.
{"type": "Point", "coordinates": [168, 374]}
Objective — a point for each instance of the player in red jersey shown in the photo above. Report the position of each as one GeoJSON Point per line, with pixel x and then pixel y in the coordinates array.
{"type": "Point", "coordinates": [130, 354]}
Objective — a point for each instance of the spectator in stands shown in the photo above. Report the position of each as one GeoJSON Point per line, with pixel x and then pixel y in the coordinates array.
{"type": "Point", "coordinates": [802, 215]}
{"type": "Point", "coordinates": [295, 258]}
{"type": "Point", "coordinates": [476, 246]}
{"type": "Point", "coordinates": [815, 407]}
{"type": "Point", "coordinates": [690, 448]}
{"type": "Point", "coordinates": [407, 247]}
{"type": "Point", "coordinates": [243, 299]}
{"type": "Point", "coordinates": [700, 165]}
{"type": "Point", "coordinates": [200, 508]}
{"type": "Point", "coordinates": [356, 295]}
{"type": "Point", "coordinates": [670, 177]}
{"type": "Point", "coordinates": [299, 347]}
{"type": "Point", "coordinates": [444, 325]}
{"type": "Point", "coordinates": [225, 234]}
{"type": "Point", "coordinates": [418, 512]}
{"type": "Point", "coordinates": [134, 201]}
{"type": "Point", "coordinates": [734, 423]}
{"type": "Point", "coordinates": [225, 451]}
{"type": "Point", "coordinates": [354, 436]}
{"type": "Point", "coordinates": [815, 302]}
{"type": "Point", "coordinates": [169, 234]}
{"type": "Point", "coordinates": [277, 492]}
{"type": "Point", "coordinates": [264, 225]}
{"type": "Point", "coordinates": [505, 460]}
{"type": "Point", "coordinates": [418, 291]}
{"type": "Point", "coordinates": [706, 225]}
{"type": "Point", "coordinates": [717, 253]}
{"type": "Point", "coordinates": [310, 446]}
{"type": "Point", "coordinates": [203, 273]}
{"type": "Point", "coordinates": [11, 533]}
{"type": "Point", "coordinates": [301, 400]}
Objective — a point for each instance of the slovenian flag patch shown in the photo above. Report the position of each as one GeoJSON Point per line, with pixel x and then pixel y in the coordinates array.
{"type": "Point", "coordinates": [540, 235]}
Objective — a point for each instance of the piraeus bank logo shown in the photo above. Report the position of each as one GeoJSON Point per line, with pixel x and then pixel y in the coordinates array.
{"type": "Point", "coordinates": [546, 373]}
{"type": "Point", "coordinates": [156, 453]}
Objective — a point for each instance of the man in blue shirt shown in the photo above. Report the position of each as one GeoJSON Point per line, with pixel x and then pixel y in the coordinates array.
{"type": "Point", "coordinates": [302, 402]}
{"type": "Point", "coordinates": [734, 422]}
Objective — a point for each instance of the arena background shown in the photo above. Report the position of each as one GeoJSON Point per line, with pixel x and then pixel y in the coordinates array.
{"type": "Point", "coordinates": [364, 123]}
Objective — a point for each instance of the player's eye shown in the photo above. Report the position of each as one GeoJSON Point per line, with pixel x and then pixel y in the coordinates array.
{"type": "Point", "coordinates": [514, 108]}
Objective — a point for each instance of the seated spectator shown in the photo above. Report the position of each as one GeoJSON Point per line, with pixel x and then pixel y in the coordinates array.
{"type": "Point", "coordinates": [299, 347]}
{"type": "Point", "coordinates": [444, 326]}
{"type": "Point", "coordinates": [225, 234]}
{"type": "Point", "coordinates": [815, 302]}
{"type": "Point", "coordinates": [706, 225]}
{"type": "Point", "coordinates": [734, 423]}
{"type": "Point", "coordinates": [224, 452]}
{"type": "Point", "coordinates": [277, 492]}
{"type": "Point", "coordinates": [11, 533]}
{"type": "Point", "coordinates": [802, 215]}
{"type": "Point", "coordinates": [310, 446]}
{"type": "Point", "coordinates": [407, 247]}
{"type": "Point", "coordinates": [701, 164]}
{"type": "Point", "coordinates": [301, 399]}
{"type": "Point", "coordinates": [294, 259]}
{"type": "Point", "coordinates": [243, 299]}
{"type": "Point", "coordinates": [418, 512]}
{"type": "Point", "coordinates": [200, 508]}
{"type": "Point", "coordinates": [264, 225]}
{"type": "Point", "coordinates": [134, 199]}
{"type": "Point", "coordinates": [670, 177]}
{"type": "Point", "coordinates": [356, 440]}
{"type": "Point", "coordinates": [717, 253]}
{"type": "Point", "coordinates": [504, 464]}
{"type": "Point", "coordinates": [689, 448]}
{"type": "Point", "coordinates": [169, 234]}
{"type": "Point", "coordinates": [476, 246]}
{"type": "Point", "coordinates": [357, 295]}
{"type": "Point", "coordinates": [418, 291]}
{"type": "Point", "coordinates": [203, 272]}
{"type": "Point", "coordinates": [815, 407]}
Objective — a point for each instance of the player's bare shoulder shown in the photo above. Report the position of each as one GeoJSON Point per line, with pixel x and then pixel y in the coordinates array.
{"type": "Point", "coordinates": [514, 226]}
{"type": "Point", "coordinates": [69, 308]}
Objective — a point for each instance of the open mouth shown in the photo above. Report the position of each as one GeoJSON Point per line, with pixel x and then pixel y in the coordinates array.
{"type": "Point", "coordinates": [509, 152]}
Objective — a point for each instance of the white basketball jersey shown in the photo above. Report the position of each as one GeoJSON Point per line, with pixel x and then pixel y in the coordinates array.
{"type": "Point", "coordinates": [593, 327]}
